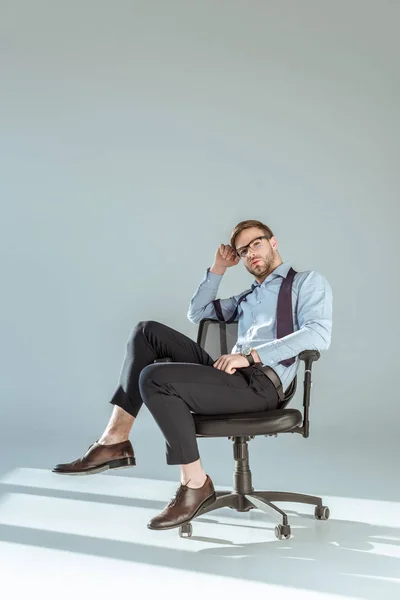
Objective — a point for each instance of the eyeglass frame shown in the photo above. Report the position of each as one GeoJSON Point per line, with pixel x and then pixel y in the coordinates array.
{"type": "Point", "coordinates": [259, 237]}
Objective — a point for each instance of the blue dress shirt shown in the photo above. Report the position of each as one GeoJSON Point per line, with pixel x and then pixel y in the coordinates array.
{"type": "Point", "coordinates": [312, 316]}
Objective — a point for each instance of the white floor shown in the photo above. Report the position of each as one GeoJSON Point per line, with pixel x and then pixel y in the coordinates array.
{"type": "Point", "coordinates": [87, 537]}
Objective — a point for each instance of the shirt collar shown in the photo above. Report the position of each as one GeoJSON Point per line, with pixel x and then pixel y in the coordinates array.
{"type": "Point", "coordinates": [281, 271]}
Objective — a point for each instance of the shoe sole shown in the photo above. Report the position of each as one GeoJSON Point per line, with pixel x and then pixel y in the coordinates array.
{"type": "Point", "coordinates": [206, 502]}
{"type": "Point", "coordinates": [122, 463]}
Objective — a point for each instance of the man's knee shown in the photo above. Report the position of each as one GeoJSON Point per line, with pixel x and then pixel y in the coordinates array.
{"type": "Point", "coordinates": [152, 377]}
{"type": "Point", "coordinates": [145, 328]}
{"type": "Point", "coordinates": [148, 326]}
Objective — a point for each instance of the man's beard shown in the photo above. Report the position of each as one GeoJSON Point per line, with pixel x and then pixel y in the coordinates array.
{"type": "Point", "coordinates": [262, 267]}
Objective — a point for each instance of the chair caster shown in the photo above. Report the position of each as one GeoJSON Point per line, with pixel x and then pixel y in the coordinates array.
{"type": "Point", "coordinates": [282, 532]}
{"type": "Point", "coordinates": [185, 530]}
{"type": "Point", "coordinates": [322, 513]}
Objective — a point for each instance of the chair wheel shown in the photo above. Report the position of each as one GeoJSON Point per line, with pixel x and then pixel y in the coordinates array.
{"type": "Point", "coordinates": [185, 530]}
{"type": "Point", "coordinates": [322, 513]}
{"type": "Point", "coordinates": [282, 532]}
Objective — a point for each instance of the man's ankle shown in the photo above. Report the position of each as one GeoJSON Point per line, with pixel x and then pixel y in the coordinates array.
{"type": "Point", "coordinates": [195, 483]}
{"type": "Point", "coordinates": [109, 439]}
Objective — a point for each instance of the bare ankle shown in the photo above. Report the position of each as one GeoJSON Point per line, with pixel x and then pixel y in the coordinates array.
{"type": "Point", "coordinates": [195, 482]}
{"type": "Point", "coordinates": [107, 439]}
{"type": "Point", "coordinates": [118, 427]}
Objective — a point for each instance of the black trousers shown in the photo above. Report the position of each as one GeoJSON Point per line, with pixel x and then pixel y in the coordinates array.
{"type": "Point", "coordinates": [172, 391]}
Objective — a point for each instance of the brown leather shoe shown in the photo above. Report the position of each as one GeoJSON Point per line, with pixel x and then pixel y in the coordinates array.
{"type": "Point", "coordinates": [98, 458]}
{"type": "Point", "coordinates": [184, 506]}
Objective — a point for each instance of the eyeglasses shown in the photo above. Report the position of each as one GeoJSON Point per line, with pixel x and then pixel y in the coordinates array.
{"type": "Point", "coordinates": [255, 244]}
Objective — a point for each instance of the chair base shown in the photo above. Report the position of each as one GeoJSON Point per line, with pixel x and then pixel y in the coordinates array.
{"type": "Point", "coordinates": [243, 497]}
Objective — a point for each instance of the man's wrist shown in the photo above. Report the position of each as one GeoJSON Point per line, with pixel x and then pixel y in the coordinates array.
{"type": "Point", "coordinates": [217, 270]}
{"type": "Point", "coordinates": [249, 358]}
{"type": "Point", "coordinates": [251, 354]}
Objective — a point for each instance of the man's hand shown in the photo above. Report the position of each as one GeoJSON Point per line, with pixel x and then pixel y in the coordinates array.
{"type": "Point", "coordinates": [225, 257]}
{"type": "Point", "coordinates": [230, 362]}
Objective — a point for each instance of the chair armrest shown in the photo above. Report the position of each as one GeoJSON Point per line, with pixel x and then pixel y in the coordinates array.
{"type": "Point", "coordinates": [309, 355]}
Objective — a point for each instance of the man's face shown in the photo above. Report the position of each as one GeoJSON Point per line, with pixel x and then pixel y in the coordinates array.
{"type": "Point", "coordinates": [261, 256]}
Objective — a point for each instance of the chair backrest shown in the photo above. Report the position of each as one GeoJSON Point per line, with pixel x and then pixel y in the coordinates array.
{"type": "Point", "coordinates": [218, 338]}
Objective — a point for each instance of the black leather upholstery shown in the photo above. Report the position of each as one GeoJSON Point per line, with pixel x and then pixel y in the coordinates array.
{"type": "Point", "coordinates": [259, 423]}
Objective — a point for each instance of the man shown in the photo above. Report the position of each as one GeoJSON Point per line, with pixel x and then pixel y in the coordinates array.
{"type": "Point", "coordinates": [194, 383]}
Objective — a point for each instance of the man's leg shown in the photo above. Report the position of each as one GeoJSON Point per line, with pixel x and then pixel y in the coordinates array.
{"type": "Point", "coordinates": [118, 427]}
{"type": "Point", "coordinates": [173, 392]}
{"type": "Point", "coordinates": [148, 341]}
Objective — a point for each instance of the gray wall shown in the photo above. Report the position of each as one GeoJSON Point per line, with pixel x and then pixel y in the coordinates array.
{"type": "Point", "coordinates": [134, 136]}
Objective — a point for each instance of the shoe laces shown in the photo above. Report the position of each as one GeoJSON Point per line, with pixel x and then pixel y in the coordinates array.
{"type": "Point", "coordinates": [177, 494]}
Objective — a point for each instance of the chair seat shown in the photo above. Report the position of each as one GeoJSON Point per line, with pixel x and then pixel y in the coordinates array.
{"type": "Point", "coordinates": [257, 423]}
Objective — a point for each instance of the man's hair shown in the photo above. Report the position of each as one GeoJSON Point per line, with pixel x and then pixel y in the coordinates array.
{"type": "Point", "coordinates": [246, 225]}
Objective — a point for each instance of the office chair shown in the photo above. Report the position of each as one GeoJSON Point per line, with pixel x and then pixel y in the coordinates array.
{"type": "Point", "coordinates": [216, 337]}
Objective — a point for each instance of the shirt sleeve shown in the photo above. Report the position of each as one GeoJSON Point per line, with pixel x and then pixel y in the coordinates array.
{"type": "Point", "coordinates": [314, 316]}
{"type": "Point", "coordinates": [201, 305]}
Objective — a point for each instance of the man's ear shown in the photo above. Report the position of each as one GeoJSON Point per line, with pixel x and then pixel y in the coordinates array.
{"type": "Point", "coordinates": [274, 243]}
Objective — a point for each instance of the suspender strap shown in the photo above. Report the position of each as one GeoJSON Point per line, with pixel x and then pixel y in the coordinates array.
{"type": "Point", "coordinates": [218, 310]}
{"type": "Point", "coordinates": [284, 315]}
